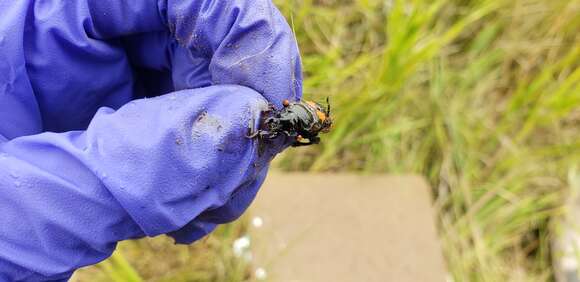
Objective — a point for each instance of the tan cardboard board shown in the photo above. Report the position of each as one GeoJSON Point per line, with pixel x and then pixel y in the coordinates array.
{"type": "Point", "coordinates": [335, 227]}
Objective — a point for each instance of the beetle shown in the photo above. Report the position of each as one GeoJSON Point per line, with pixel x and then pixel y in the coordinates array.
{"type": "Point", "coordinates": [301, 120]}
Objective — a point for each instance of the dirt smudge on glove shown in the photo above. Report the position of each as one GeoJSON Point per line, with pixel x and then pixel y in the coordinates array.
{"type": "Point", "coordinates": [207, 124]}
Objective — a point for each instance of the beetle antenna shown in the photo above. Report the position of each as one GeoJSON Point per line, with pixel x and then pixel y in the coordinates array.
{"type": "Point", "coordinates": [328, 105]}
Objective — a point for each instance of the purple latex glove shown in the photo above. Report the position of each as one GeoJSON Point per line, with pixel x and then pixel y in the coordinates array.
{"type": "Point", "coordinates": [82, 166]}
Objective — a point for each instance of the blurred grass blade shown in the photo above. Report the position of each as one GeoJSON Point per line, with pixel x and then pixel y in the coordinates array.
{"type": "Point", "coordinates": [119, 270]}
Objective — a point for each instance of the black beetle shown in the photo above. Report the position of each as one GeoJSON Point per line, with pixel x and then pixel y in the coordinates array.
{"type": "Point", "coordinates": [302, 120]}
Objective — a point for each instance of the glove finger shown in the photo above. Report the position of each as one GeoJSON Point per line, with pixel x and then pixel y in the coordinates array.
{"type": "Point", "coordinates": [110, 19]}
{"type": "Point", "coordinates": [239, 201]}
{"type": "Point", "coordinates": [193, 231]}
{"type": "Point", "coordinates": [246, 42]}
{"type": "Point", "coordinates": [226, 42]}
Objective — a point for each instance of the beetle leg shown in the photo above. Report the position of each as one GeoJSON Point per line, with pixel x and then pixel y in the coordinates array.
{"type": "Point", "coordinates": [311, 141]}
{"type": "Point", "coordinates": [271, 135]}
{"type": "Point", "coordinates": [300, 144]}
{"type": "Point", "coordinates": [253, 135]}
{"type": "Point", "coordinates": [252, 132]}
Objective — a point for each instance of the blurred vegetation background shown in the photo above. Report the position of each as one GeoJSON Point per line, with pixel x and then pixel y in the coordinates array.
{"type": "Point", "coordinates": [480, 97]}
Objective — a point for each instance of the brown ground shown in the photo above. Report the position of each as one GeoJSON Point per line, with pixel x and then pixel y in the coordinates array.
{"type": "Point", "coordinates": [346, 228]}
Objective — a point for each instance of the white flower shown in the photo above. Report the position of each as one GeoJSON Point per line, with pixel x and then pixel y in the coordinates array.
{"type": "Point", "coordinates": [260, 273]}
{"type": "Point", "coordinates": [257, 222]}
{"type": "Point", "coordinates": [241, 245]}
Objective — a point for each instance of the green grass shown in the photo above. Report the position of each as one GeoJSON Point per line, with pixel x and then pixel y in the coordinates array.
{"type": "Point", "coordinates": [159, 259]}
{"type": "Point", "coordinates": [480, 97]}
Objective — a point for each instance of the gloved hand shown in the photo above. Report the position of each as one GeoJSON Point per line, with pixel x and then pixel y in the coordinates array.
{"type": "Point", "coordinates": [85, 163]}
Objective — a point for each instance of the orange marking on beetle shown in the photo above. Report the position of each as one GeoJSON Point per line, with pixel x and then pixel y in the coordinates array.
{"type": "Point", "coordinates": [286, 103]}
{"type": "Point", "coordinates": [311, 104]}
{"type": "Point", "coordinates": [321, 115]}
